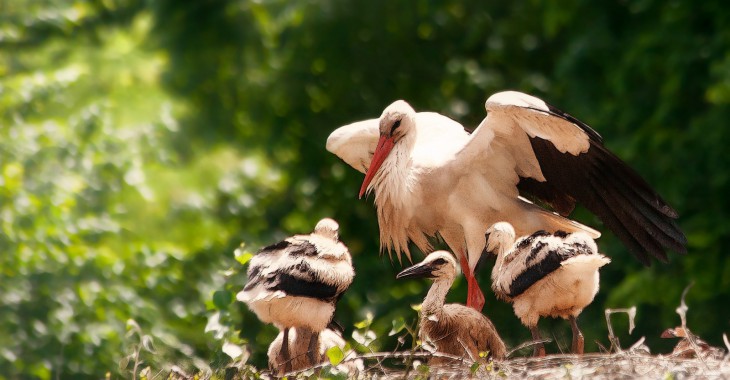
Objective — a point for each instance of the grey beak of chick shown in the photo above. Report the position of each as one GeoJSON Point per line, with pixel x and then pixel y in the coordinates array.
{"type": "Point", "coordinates": [422, 270]}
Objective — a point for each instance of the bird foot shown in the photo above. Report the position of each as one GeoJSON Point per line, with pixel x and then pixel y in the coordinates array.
{"type": "Point", "coordinates": [539, 348]}
{"type": "Point", "coordinates": [539, 351]}
{"type": "Point", "coordinates": [578, 340]}
{"type": "Point", "coordinates": [578, 344]}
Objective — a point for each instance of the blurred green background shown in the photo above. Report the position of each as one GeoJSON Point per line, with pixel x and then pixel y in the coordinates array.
{"type": "Point", "coordinates": [142, 141]}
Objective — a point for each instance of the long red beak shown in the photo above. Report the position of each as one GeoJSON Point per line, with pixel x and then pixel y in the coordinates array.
{"type": "Point", "coordinates": [385, 145]}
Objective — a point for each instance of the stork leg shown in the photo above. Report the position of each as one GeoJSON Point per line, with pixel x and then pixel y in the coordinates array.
{"type": "Point", "coordinates": [285, 351]}
{"type": "Point", "coordinates": [474, 297]}
{"type": "Point", "coordinates": [313, 349]}
{"type": "Point", "coordinates": [578, 340]}
{"type": "Point", "coordinates": [539, 349]}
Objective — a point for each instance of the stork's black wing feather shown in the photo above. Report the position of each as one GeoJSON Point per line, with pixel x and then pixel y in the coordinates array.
{"type": "Point", "coordinates": [274, 247]}
{"type": "Point", "coordinates": [303, 248]}
{"type": "Point", "coordinates": [295, 247]}
{"type": "Point", "coordinates": [609, 188]}
{"type": "Point", "coordinates": [545, 192]}
{"type": "Point", "coordinates": [538, 269]}
{"type": "Point", "coordinates": [304, 287]}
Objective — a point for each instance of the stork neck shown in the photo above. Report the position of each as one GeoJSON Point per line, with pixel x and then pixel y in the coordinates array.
{"type": "Point", "coordinates": [503, 250]}
{"type": "Point", "coordinates": [393, 180]}
{"type": "Point", "coordinates": [434, 301]}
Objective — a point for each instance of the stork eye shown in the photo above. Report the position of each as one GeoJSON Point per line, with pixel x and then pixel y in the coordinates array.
{"type": "Point", "coordinates": [439, 261]}
{"type": "Point", "coordinates": [395, 125]}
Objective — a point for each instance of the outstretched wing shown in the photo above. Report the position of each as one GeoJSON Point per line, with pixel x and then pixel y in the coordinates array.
{"type": "Point", "coordinates": [559, 160]}
{"type": "Point", "coordinates": [355, 143]}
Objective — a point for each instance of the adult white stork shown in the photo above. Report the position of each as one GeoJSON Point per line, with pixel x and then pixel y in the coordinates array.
{"type": "Point", "coordinates": [431, 177]}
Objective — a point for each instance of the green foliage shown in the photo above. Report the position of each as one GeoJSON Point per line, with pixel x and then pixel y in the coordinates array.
{"type": "Point", "coordinates": [141, 142]}
{"type": "Point", "coordinates": [101, 223]}
{"type": "Point", "coordinates": [335, 355]}
{"type": "Point", "coordinates": [399, 324]}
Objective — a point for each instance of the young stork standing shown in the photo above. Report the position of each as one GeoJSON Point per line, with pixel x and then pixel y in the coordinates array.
{"type": "Point", "coordinates": [452, 328]}
{"type": "Point", "coordinates": [545, 274]}
{"type": "Point", "coordinates": [430, 177]}
{"type": "Point", "coordinates": [297, 282]}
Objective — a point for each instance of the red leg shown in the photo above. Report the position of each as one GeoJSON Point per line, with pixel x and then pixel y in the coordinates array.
{"type": "Point", "coordinates": [474, 295]}
{"type": "Point", "coordinates": [477, 297]}
{"type": "Point", "coordinates": [466, 271]}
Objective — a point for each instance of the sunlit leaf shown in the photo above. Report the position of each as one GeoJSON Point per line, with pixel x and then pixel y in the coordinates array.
{"type": "Point", "coordinates": [366, 322]}
{"type": "Point", "coordinates": [133, 326]}
{"type": "Point", "coordinates": [398, 325]}
{"type": "Point", "coordinates": [124, 361]}
{"type": "Point", "coordinates": [361, 324]}
{"type": "Point", "coordinates": [364, 338]}
{"type": "Point", "coordinates": [244, 258]}
{"type": "Point", "coordinates": [335, 355]}
{"type": "Point", "coordinates": [145, 373]}
{"type": "Point", "coordinates": [232, 350]}
{"type": "Point", "coordinates": [214, 324]}
{"type": "Point", "coordinates": [148, 343]}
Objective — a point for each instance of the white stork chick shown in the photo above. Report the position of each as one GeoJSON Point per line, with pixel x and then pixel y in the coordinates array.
{"type": "Point", "coordinates": [545, 274]}
{"type": "Point", "coordinates": [452, 328]}
{"type": "Point", "coordinates": [297, 282]}
{"type": "Point", "coordinates": [300, 358]}
{"type": "Point", "coordinates": [430, 177]}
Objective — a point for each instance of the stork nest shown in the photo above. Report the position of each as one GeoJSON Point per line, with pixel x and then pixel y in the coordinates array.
{"type": "Point", "coordinates": [625, 365]}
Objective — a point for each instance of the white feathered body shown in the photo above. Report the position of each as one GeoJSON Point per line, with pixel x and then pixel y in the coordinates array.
{"type": "Point", "coordinates": [297, 282]}
{"type": "Point", "coordinates": [552, 275]}
{"type": "Point", "coordinates": [439, 179]}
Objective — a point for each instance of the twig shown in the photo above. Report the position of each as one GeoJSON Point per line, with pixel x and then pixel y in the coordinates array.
{"type": "Point", "coordinates": [637, 344]}
{"type": "Point", "coordinates": [682, 308]}
{"type": "Point", "coordinates": [611, 336]}
{"type": "Point", "coordinates": [169, 374]}
{"type": "Point", "coordinates": [397, 355]}
{"type": "Point", "coordinates": [527, 344]}
{"type": "Point", "coordinates": [136, 362]}
{"type": "Point", "coordinates": [381, 356]}
{"type": "Point", "coordinates": [682, 311]}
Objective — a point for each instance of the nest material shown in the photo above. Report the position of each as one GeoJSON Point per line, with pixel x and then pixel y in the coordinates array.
{"type": "Point", "coordinates": [622, 365]}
